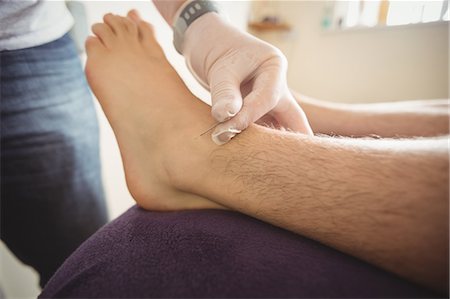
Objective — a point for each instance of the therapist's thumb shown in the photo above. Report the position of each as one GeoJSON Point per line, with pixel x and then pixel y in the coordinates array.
{"type": "Point", "coordinates": [226, 96]}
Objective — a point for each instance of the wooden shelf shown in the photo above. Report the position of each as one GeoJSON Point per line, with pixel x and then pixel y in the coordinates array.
{"type": "Point", "coordinates": [266, 26]}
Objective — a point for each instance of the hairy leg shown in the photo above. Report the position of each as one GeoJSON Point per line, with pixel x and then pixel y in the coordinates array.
{"type": "Point", "coordinates": [385, 202]}
{"type": "Point", "coordinates": [399, 119]}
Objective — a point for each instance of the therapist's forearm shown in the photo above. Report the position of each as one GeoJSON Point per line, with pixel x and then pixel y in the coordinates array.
{"type": "Point", "coordinates": [168, 8]}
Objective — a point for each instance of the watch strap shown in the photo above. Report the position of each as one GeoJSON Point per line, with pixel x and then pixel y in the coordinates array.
{"type": "Point", "coordinates": [191, 12]}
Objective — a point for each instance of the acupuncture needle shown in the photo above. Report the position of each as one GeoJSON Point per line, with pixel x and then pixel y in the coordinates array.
{"type": "Point", "coordinates": [212, 127]}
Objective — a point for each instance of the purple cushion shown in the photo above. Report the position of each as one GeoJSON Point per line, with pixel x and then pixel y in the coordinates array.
{"type": "Point", "coordinates": [212, 253]}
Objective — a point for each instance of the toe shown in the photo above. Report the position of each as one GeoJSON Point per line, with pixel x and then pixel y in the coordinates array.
{"type": "Point", "coordinates": [93, 45]}
{"type": "Point", "coordinates": [104, 33]}
{"type": "Point", "coordinates": [148, 39]}
{"type": "Point", "coordinates": [146, 31]}
{"type": "Point", "coordinates": [114, 22]}
{"type": "Point", "coordinates": [134, 16]}
{"type": "Point", "coordinates": [129, 25]}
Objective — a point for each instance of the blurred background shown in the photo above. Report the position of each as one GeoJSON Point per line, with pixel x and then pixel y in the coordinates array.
{"type": "Point", "coordinates": [345, 51]}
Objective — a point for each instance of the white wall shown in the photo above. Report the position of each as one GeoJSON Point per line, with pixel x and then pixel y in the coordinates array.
{"type": "Point", "coordinates": [362, 65]}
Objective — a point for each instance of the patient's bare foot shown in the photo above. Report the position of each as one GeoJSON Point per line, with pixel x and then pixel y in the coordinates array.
{"type": "Point", "coordinates": [149, 108]}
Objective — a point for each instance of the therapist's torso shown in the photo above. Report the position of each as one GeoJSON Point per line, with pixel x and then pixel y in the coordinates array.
{"type": "Point", "coordinates": [25, 24]}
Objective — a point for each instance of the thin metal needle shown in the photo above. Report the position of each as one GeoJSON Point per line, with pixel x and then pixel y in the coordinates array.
{"type": "Point", "coordinates": [212, 127]}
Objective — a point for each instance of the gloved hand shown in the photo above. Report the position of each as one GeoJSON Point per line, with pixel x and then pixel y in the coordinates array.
{"type": "Point", "coordinates": [246, 78]}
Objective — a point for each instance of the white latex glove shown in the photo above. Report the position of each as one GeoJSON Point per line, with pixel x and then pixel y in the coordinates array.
{"type": "Point", "coordinates": [246, 77]}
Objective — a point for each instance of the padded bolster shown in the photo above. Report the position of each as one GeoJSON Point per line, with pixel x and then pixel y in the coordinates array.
{"type": "Point", "coordinates": [212, 253]}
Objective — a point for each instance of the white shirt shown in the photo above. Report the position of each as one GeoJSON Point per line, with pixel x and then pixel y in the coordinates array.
{"type": "Point", "coordinates": [30, 23]}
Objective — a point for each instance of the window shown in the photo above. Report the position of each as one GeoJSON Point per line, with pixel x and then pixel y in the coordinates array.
{"type": "Point", "coordinates": [364, 13]}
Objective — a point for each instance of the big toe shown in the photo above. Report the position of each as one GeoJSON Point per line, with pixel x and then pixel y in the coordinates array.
{"type": "Point", "coordinates": [146, 33]}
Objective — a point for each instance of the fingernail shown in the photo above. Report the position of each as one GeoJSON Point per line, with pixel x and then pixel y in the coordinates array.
{"type": "Point", "coordinates": [223, 136]}
{"type": "Point", "coordinates": [230, 110]}
{"type": "Point", "coordinates": [223, 112]}
{"type": "Point", "coordinates": [222, 117]}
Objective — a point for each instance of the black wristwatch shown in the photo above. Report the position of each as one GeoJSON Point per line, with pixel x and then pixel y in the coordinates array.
{"type": "Point", "coordinates": [187, 14]}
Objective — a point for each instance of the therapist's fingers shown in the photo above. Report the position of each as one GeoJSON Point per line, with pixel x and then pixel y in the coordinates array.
{"type": "Point", "coordinates": [289, 115]}
{"type": "Point", "coordinates": [262, 99]}
{"type": "Point", "coordinates": [226, 96]}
